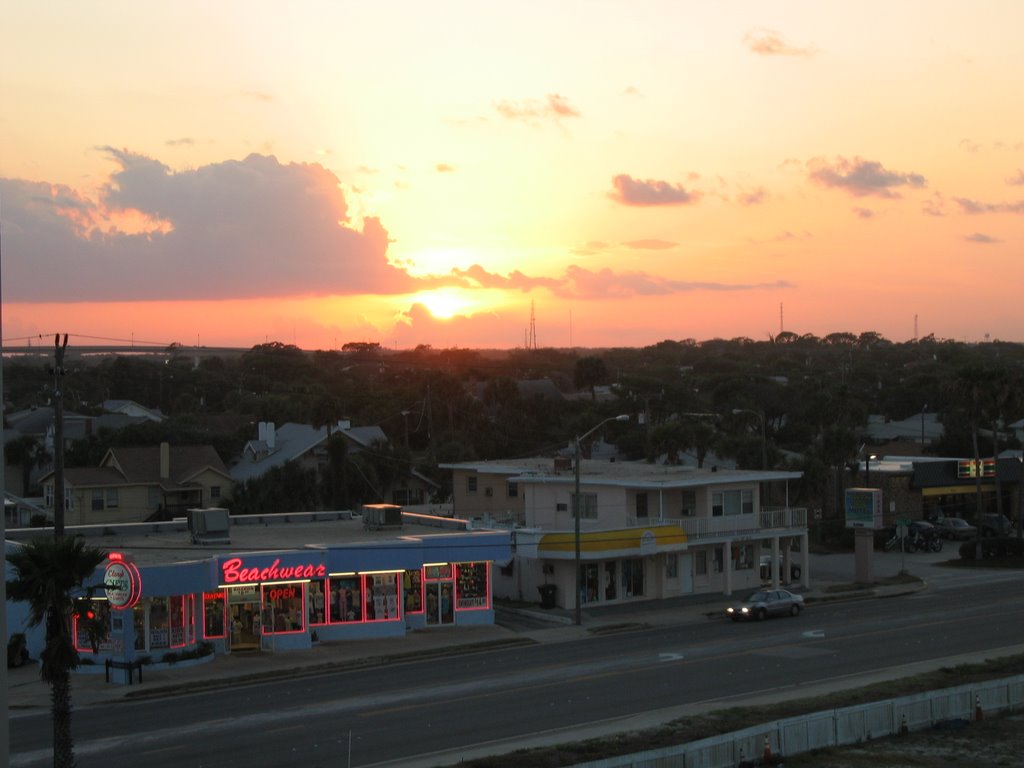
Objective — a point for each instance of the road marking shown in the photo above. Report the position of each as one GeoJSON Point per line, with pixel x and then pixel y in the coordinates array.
{"type": "Point", "coordinates": [671, 656]}
{"type": "Point", "coordinates": [815, 633]}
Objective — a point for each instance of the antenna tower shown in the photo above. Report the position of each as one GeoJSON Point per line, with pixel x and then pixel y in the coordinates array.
{"type": "Point", "coordinates": [531, 339]}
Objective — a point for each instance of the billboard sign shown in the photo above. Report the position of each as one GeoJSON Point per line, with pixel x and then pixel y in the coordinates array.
{"type": "Point", "coordinates": [863, 508]}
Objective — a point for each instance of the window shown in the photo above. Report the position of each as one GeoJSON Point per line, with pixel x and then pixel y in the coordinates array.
{"type": "Point", "coordinates": [671, 566]}
{"type": "Point", "coordinates": [412, 589]}
{"type": "Point", "coordinates": [734, 502]}
{"type": "Point", "coordinates": [513, 490]}
{"type": "Point", "coordinates": [97, 500]}
{"type": "Point", "coordinates": [700, 562]}
{"type": "Point", "coordinates": [214, 492]}
{"type": "Point", "coordinates": [382, 597]}
{"type": "Point", "coordinates": [588, 505]}
{"type": "Point", "coordinates": [719, 559]}
{"type": "Point", "coordinates": [747, 502]}
{"type": "Point", "coordinates": [316, 601]}
{"type": "Point", "coordinates": [282, 609]}
{"type": "Point", "coordinates": [471, 587]}
{"type": "Point", "coordinates": [112, 498]}
{"type": "Point", "coordinates": [744, 555]}
{"type": "Point", "coordinates": [215, 614]}
{"type": "Point", "coordinates": [633, 577]}
{"type": "Point", "coordinates": [471, 484]}
{"type": "Point", "coordinates": [588, 593]}
{"type": "Point", "coordinates": [610, 592]}
{"type": "Point", "coordinates": [688, 505]}
{"type": "Point", "coordinates": [641, 505]}
{"type": "Point", "coordinates": [346, 600]}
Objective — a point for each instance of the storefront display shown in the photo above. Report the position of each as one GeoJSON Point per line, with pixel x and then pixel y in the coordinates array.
{"type": "Point", "coordinates": [287, 600]}
{"type": "Point", "coordinates": [473, 590]}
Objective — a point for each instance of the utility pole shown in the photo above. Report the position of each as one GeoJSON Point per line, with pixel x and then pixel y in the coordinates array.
{"type": "Point", "coordinates": [58, 435]}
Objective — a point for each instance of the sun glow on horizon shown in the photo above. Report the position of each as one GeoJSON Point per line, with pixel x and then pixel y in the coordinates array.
{"type": "Point", "coordinates": [445, 303]}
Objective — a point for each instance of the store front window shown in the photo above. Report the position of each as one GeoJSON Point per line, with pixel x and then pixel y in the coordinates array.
{"type": "Point", "coordinates": [282, 609]}
{"type": "Point", "coordinates": [633, 577]}
{"type": "Point", "coordinates": [214, 615]}
{"type": "Point", "coordinates": [412, 587]}
{"type": "Point", "coordinates": [92, 624]}
{"type": "Point", "coordinates": [589, 592]}
{"type": "Point", "coordinates": [381, 597]}
{"type": "Point", "coordinates": [472, 588]}
{"type": "Point", "coordinates": [346, 602]}
{"type": "Point", "coordinates": [610, 586]}
{"type": "Point", "coordinates": [317, 601]}
{"type": "Point", "coordinates": [159, 624]}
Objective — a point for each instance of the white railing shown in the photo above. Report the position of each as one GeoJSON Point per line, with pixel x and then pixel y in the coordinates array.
{"type": "Point", "coordinates": [790, 520]}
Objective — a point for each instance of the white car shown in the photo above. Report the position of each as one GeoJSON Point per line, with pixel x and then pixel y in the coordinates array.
{"type": "Point", "coordinates": [767, 602]}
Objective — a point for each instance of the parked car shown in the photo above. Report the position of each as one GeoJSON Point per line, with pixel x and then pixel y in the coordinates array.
{"type": "Point", "coordinates": [767, 602]}
{"type": "Point", "coordinates": [995, 525]}
{"type": "Point", "coordinates": [766, 568]}
{"type": "Point", "coordinates": [955, 528]}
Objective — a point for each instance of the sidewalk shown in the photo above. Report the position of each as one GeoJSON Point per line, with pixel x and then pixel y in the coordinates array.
{"type": "Point", "coordinates": [26, 690]}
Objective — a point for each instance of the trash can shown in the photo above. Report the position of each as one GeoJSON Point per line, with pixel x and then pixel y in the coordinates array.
{"type": "Point", "coordinates": [547, 595]}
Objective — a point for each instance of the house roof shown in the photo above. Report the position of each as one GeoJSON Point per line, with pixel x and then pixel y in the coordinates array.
{"type": "Point", "coordinates": [620, 473]}
{"type": "Point", "coordinates": [132, 408]}
{"type": "Point", "coordinates": [916, 427]}
{"type": "Point", "coordinates": [140, 465]}
{"type": "Point", "coordinates": [292, 441]}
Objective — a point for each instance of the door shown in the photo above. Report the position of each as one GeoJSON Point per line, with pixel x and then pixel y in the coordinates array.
{"type": "Point", "coordinates": [440, 605]}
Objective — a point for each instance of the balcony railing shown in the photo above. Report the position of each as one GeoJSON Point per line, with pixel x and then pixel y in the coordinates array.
{"type": "Point", "coordinates": [767, 522]}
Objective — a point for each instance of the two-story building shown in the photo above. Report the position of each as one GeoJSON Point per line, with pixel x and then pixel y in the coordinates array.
{"type": "Point", "coordinates": [139, 483]}
{"type": "Point", "coordinates": [646, 531]}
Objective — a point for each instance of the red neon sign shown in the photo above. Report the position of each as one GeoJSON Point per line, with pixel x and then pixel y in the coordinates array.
{"type": "Point", "coordinates": [235, 572]}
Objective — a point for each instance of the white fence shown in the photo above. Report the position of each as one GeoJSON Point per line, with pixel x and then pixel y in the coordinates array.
{"type": "Point", "coordinates": [838, 727]}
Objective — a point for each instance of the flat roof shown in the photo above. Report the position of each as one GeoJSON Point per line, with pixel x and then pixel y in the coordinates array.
{"type": "Point", "coordinates": [171, 542]}
{"type": "Point", "coordinates": [633, 474]}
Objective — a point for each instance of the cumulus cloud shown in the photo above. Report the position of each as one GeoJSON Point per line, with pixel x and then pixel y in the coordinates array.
{"type": "Point", "coordinates": [978, 237]}
{"type": "Point", "coordinates": [650, 192]}
{"type": "Point", "coordinates": [753, 196]}
{"type": "Point", "coordinates": [862, 178]}
{"type": "Point", "coordinates": [236, 229]}
{"type": "Point", "coordinates": [650, 245]}
{"type": "Point", "coordinates": [976, 207]}
{"type": "Point", "coordinates": [553, 107]}
{"type": "Point", "coordinates": [1016, 180]}
{"type": "Point", "coordinates": [768, 42]}
{"type": "Point", "coordinates": [580, 283]}
{"type": "Point", "coordinates": [864, 213]}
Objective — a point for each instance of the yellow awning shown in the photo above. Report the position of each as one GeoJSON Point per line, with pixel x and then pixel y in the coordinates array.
{"type": "Point", "coordinates": [640, 540]}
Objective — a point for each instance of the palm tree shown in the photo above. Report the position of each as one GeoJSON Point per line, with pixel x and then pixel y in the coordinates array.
{"type": "Point", "coordinates": [49, 572]}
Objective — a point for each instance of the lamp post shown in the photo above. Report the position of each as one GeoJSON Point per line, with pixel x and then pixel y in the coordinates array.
{"type": "Point", "coordinates": [867, 469]}
{"type": "Point", "coordinates": [576, 510]}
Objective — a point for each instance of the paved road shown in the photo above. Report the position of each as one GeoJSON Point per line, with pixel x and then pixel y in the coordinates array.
{"type": "Point", "coordinates": [456, 707]}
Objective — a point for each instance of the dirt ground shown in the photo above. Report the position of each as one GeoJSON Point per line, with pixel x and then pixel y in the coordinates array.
{"type": "Point", "coordinates": [994, 742]}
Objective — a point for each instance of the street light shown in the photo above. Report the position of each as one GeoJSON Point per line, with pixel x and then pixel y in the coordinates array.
{"type": "Point", "coordinates": [576, 510]}
{"type": "Point", "coordinates": [867, 469]}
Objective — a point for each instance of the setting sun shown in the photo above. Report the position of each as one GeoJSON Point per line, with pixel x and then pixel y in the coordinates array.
{"type": "Point", "coordinates": [443, 304]}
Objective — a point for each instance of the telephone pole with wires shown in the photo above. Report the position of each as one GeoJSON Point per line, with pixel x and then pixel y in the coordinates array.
{"type": "Point", "coordinates": [58, 435]}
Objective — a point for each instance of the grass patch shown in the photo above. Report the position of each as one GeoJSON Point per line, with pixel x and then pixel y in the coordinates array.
{"type": "Point", "coordinates": [726, 720]}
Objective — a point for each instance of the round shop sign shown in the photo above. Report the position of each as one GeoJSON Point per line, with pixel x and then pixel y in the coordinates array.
{"type": "Point", "coordinates": [122, 584]}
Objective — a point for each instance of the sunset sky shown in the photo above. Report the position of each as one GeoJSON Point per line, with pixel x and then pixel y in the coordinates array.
{"type": "Point", "coordinates": [413, 173]}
